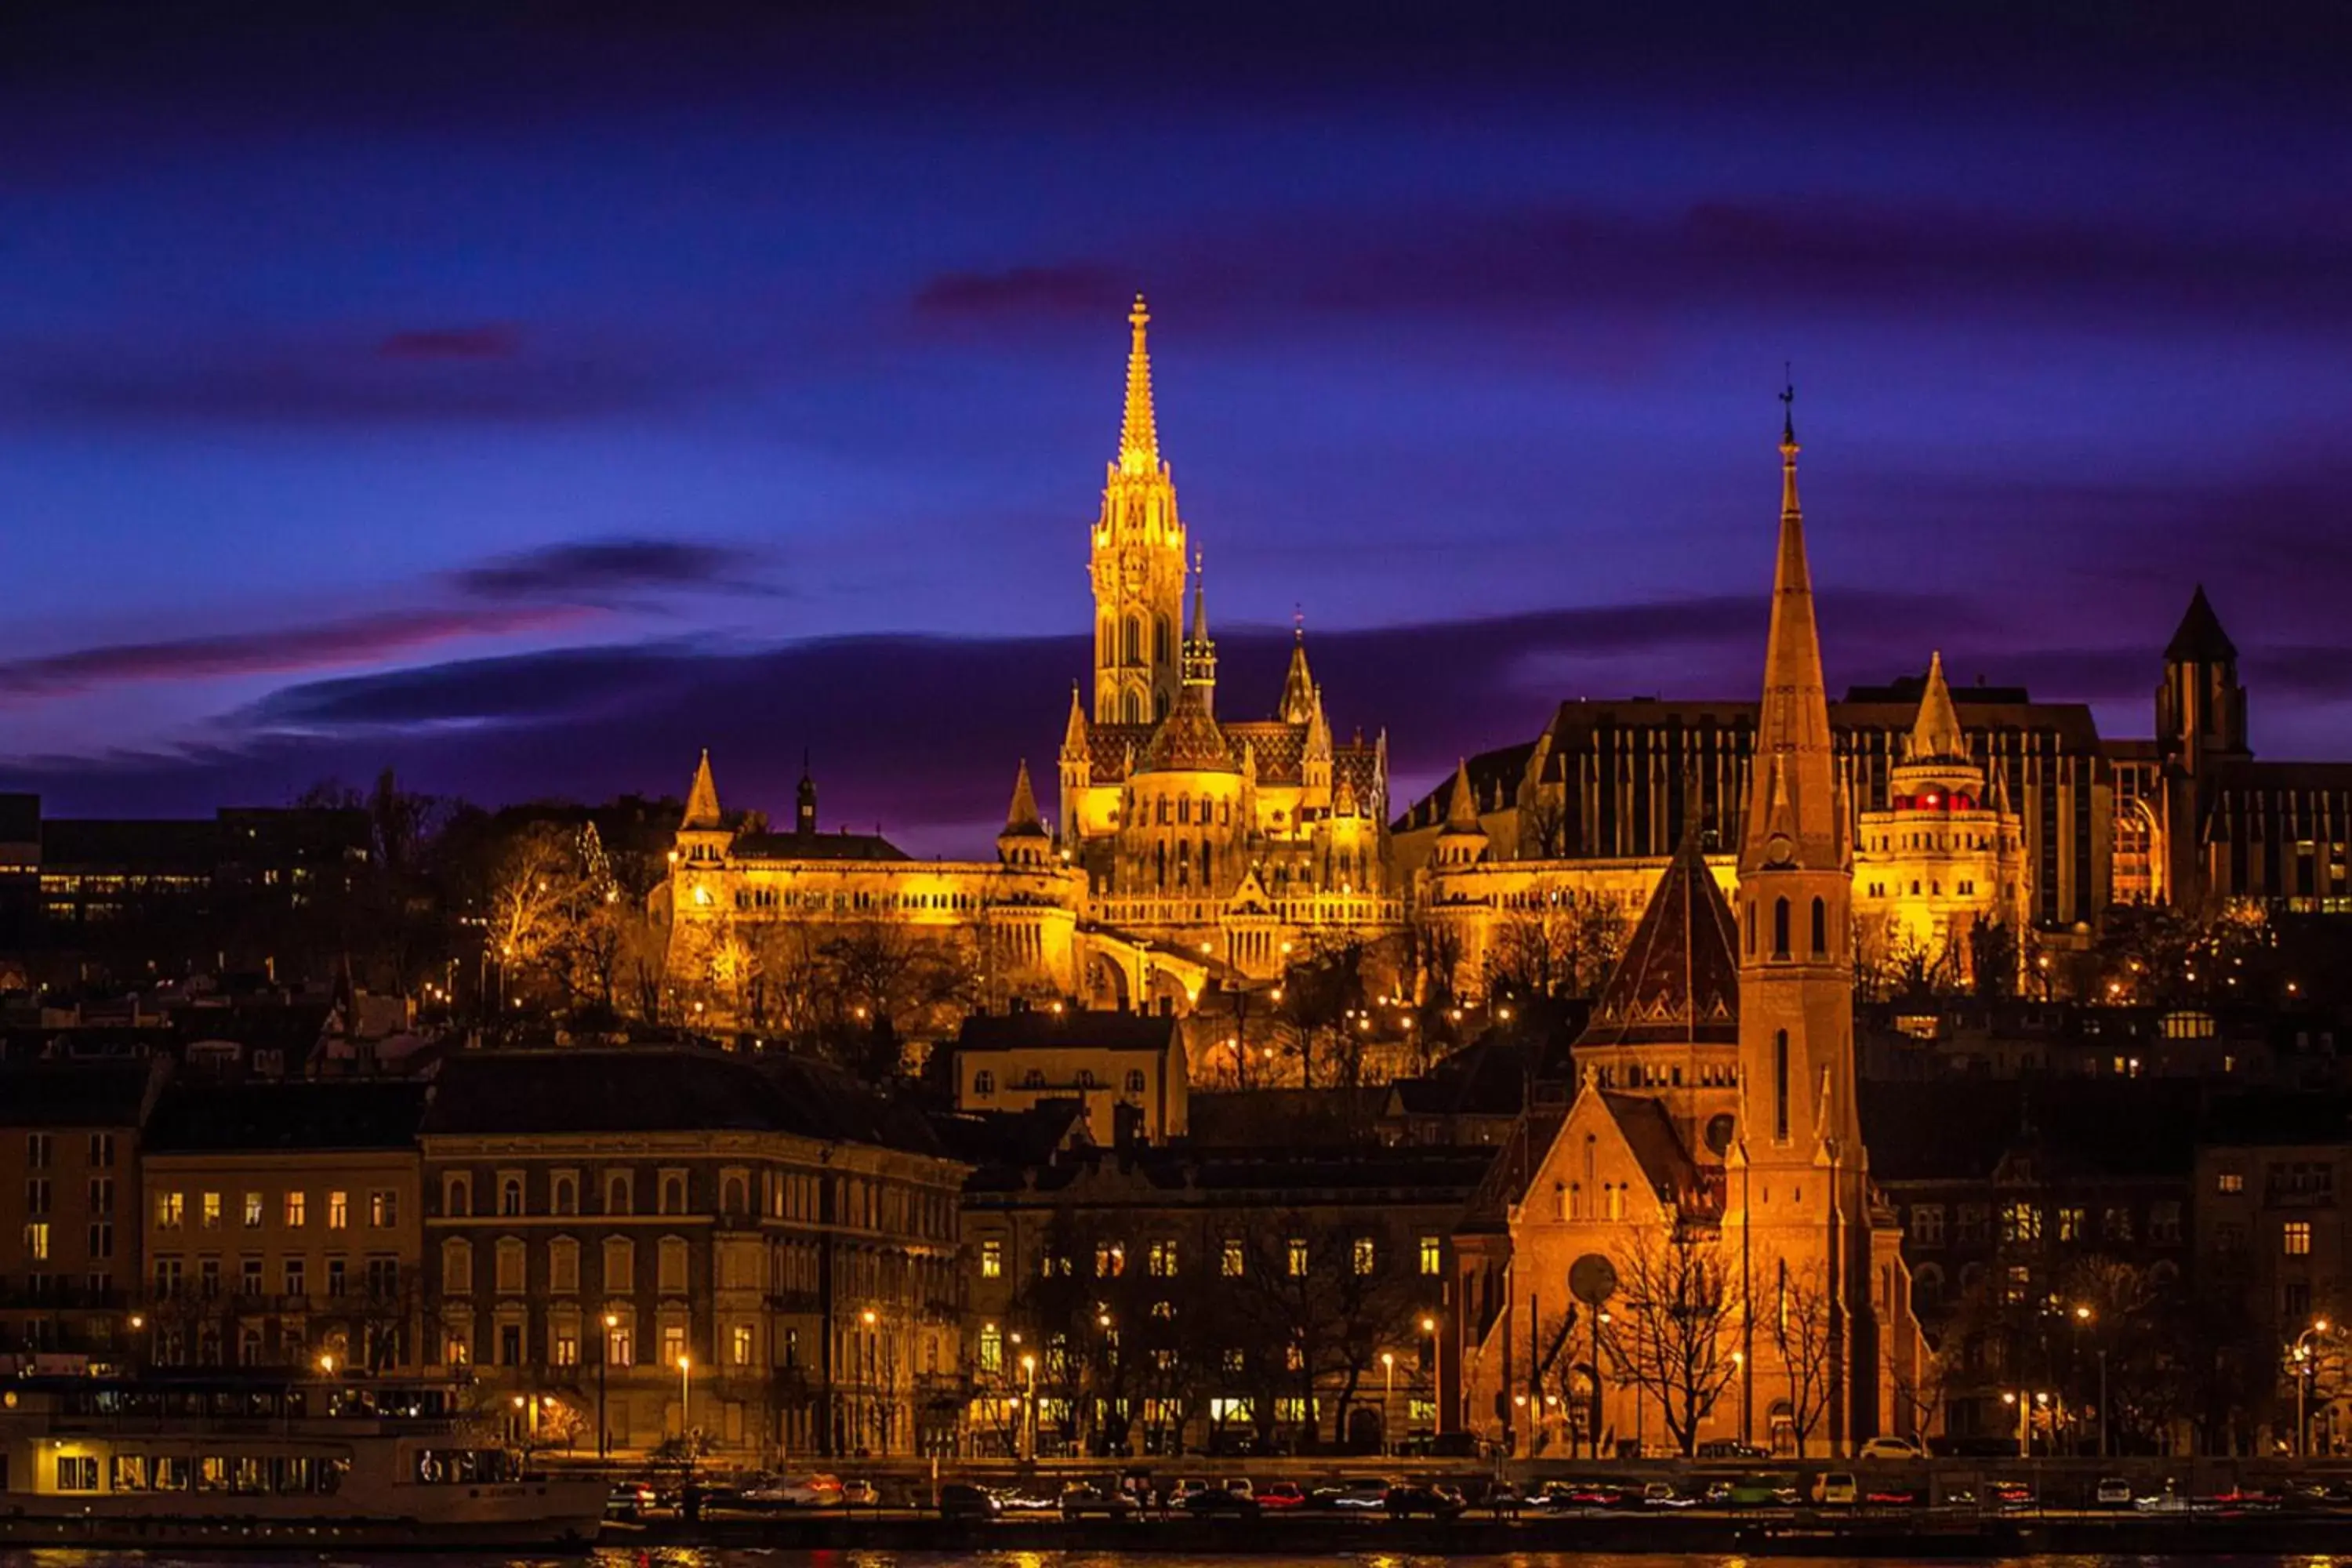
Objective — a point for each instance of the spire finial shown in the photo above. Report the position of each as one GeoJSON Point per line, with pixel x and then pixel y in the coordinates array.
{"type": "Point", "coordinates": [1138, 435]}
{"type": "Point", "coordinates": [1788, 409]}
{"type": "Point", "coordinates": [1297, 623]}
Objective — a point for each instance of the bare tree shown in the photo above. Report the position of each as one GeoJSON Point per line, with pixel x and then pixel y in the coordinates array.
{"type": "Point", "coordinates": [1797, 1323]}
{"type": "Point", "coordinates": [1672, 1327]}
{"type": "Point", "coordinates": [1560, 946]}
{"type": "Point", "coordinates": [1543, 824]}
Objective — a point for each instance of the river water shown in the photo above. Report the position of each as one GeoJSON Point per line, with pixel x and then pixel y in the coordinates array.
{"type": "Point", "coordinates": [697, 1557]}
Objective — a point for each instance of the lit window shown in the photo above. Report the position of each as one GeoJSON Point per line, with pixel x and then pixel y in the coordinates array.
{"type": "Point", "coordinates": [383, 1209]}
{"type": "Point", "coordinates": [2295, 1238]}
{"type": "Point", "coordinates": [741, 1346]}
{"type": "Point", "coordinates": [992, 1348]}
{"type": "Point", "coordinates": [339, 1211]}
{"type": "Point", "coordinates": [253, 1211]}
{"type": "Point", "coordinates": [211, 1212]}
{"type": "Point", "coordinates": [295, 1205]}
{"type": "Point", "coordinates": [1364, 1255]}
{"type": "Point", "coordinates": [566, 1350]}
{"type": "Point", "coordinates": [2231, 1182]}
{"type": "Point", "coordinates": [37, 1240]}
{"type": "Point", "coordinates": [621, 1345]}
{"type": "Point", "coordinates": [1432, 1262]}
{"type": "Point", "coordinates": [1294, 1255]}
{"type": "Point", "coordinates": [992, 1259]}
{"type": "Point", "coordinates": [1162, 1259]}
{"type": "Point", "coordinates": [1229, 1258]}
{"type": "Point", "coordinates": [170, 1207]}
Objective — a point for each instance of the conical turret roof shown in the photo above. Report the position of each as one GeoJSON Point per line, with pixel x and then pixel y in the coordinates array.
{"type": "Point", "coordinates": [1462, 803]}
{"type": "Point", "coordinates": [702, 798]}
{"type": "Point", "coordinates": [1074, 733]}
{"type": "Point", "coordinates": [1936, 734]}
{"type": "Point", "coordinates": [1679, 980]}
{"type": "Point", "coordinates": [1023, 819]}
{"type": "Point", "coordinates": [2200, 639]}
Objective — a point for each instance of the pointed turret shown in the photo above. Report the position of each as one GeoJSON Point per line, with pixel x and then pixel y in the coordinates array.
{"type": "Point", "coordinates": [1462, 802]}
{"type": "Point", "coordinates": [1463, 840]}
{"type": "Point", "coordinates": [1074, 733]}
{"type": "Point", "coordinates": [702, 798]}
{"type": "Point", "coordinates": [1794, 778]}
{"type": "Point", "coordinates": [804, 801]}
{"type": "Point", "coordinates": [2200, 639]}
{"type": "Point", "coordinates": [1200, 649]}
{"type": "Point", "coordinates": [1023, 839]}
{"type": "Point", "coordinates": [1297, 685]}
{"type": "Point", "coordinates": [1936, 734]}
{"type": "Point", "coordinates": [1139, 435]}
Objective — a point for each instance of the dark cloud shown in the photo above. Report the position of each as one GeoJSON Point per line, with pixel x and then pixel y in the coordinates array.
{"type": "Point", "coordinates": [599, 569]}
{"type": "Point", "coordinates": [922, 734]}
{"type": "Point", "coordinates": [1597, 261]}
{"type": "Point", "coordinates": [281, 650]}
{"type": "Point", "coordinates": [496, 340]}
{"type": "Point", "coordinates": [1081, 291]}
{"type": "Point", "coordinates": [439, 376]}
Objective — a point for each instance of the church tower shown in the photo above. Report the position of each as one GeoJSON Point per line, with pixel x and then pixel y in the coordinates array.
{"type": "Point", "coordinates": [2200, 724]}
{"type": "Point", "coordinates": [1797, 1216]}
{"type": "Point", "coordinates": [1137, 562]}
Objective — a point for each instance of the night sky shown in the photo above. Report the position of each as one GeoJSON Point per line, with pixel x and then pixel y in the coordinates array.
{"type": "Point", "coordinates": [524, 398]}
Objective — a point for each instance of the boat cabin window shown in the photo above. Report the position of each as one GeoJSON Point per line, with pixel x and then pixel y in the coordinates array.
{"type": "Point", "coordinates": [463, 1467]}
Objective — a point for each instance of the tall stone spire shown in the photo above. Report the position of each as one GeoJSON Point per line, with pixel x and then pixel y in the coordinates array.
{"type": "Point", "coordinates": [1936, 734]}
{"type": "Point", "coordinates": [702, 798]}
{"type": "Point", "coordinates": [1462, 802]}
{"type": "Point", "coordinates": [1138, 437]}
{"type": "Point", "coordinates": [1792, 801]}
{"type": "Point", "coordinates": [1199, 649]}
{"type": "Point", "coordinates": [1074, 733]}
{"type": "Point", "coordinates": [1297, 685]}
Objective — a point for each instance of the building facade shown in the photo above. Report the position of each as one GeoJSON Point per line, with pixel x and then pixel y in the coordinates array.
{"type": "Point", "coordinates": [1126, 1069]}
{"type": "Point", "coordinates": [667, 1242]}
{"type": "Point", "coordinates": [283, 1226]}
{"type": "Point", "coordinates": [70, 1234]}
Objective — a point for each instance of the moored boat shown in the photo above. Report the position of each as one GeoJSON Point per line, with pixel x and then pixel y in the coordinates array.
{"type": "Point", "coordinates": [243, 1464]}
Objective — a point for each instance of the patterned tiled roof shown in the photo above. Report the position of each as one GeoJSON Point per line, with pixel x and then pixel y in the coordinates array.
{"type": "Point", "coordinates": [1679, 979]}
{"type": "Point", "coordinates": [1280, 750]}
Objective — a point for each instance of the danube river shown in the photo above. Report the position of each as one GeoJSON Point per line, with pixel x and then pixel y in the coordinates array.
{"type": "Point", "coordinates": [699, 1557]}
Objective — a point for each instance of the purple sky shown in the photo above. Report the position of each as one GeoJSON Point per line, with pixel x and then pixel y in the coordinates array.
{"type": "Point", "coordinates": [526, 398]}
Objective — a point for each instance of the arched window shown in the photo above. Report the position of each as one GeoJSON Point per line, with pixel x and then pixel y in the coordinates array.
{"type": "Point", "coordinates": [1106, 645]}
{"type": "Point", "coordinates": [1086, 1077]}
{"type": "Point", "coordinates": [567, 1195]}
{"type": "Point", "coordinates": [1135, 1080]}
{"type": "Point", "coordinates": [458, 1266]}
{"type": "Point", "coordinates": [1133, 642]}
{"type": "Point", "coordinates": [1779, 928]}
{"type": "Point", "coordinates": [511, 1196]}
{"type": "Point", "coordinates": [1780, 1082]}
{"type": "Point", "coordinates": [1131, 708]}
{"type": "Point", "coordinates": [1821, 928]}
{"type": "Point", "coordinates": [1206, 861]}
{"type": "Point", "coordinates": [1751, 929]}
{"type": "Point", "coordinates": [1926, 1287]}
{"type": "Point", "coordinates": [1160, 860]}
{"type": "Point", "coordinates": [983, 1082]}
{"type": "Point", "coordinates": [732, 1199]}
{"type": "Point", "coordinates": [1160, 640]}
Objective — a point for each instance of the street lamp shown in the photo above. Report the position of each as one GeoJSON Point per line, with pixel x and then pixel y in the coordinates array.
{"type": "Point", "coordinates": [684, 1394]}
{"type": "Point", "coordinates": [603, 1359]}
{"type": "Point", "coordinates": [1029, 1402]}
{"type": "Point", "coordinates": [872, 1400]}
{"type": "Point", "coordinates": [2082, 1314]}
{"type": "Point", "coordinates": [1387, 1401]}
{"type": "Point", "coordinates": [2024, 1439]}
{"type": "Point", "coordinates": [2306, 1366]}
{"type": "Point", "coordinates": [1738, 1366]}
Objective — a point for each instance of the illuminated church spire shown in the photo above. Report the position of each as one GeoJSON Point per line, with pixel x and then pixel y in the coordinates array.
{"type": "Point", "coordinates": [1936, 734]}
{"type": "Point", "coordinates": [1792, 805]}
{"type": "Point", "coordinates": [1138, 562]}
{"type": "Point", "coordinates": [1138, 437]}
{"type": "Point", "coordinates": [702, 798]}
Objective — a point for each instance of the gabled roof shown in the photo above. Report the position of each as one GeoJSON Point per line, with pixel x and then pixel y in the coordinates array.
{"type": "Point", "coordinates": [1679, 979]}
{"type": "Point", "coordinates": [1649, 1133]}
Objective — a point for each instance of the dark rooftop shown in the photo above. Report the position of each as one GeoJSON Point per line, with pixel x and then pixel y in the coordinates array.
{"type": "Point", "coordinates": [114, 1093]}
{"type": "Point", "coordinates": [1105, 1031]}
{"type": "Point", "coordinates": [206, 1117]}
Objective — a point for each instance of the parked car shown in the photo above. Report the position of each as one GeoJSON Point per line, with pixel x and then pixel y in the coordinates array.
{"type": "Point", "coordinates": [1662, 1494]}
{"type": "Point", "coordinates": [959, 1499]}
{"type": "Point", "coordinates": [1364, 1492]}
{"type": "Point", "coordinates": [1837, 1488]}
{"type": "Point", "coordinates": [1892, 1497]}
{"type": "Point", "coordinates": [628, 1500]}
{"type": "Point", "coordinates": [1013, 1500]}
{"type": "Point", "coordinates": [1281, 1495]}
{"type": "Point", "coordinates": [1097, 1502]}
{"type": "Point", "coordinates": [815, 1490]}
{"type": "Point", "coordinates": [1436, 1501]}
{"type": "Point", "coordinates": [860, 1494]}
{"type": "Point", "coordinates": [1504, 1500]}
{"type": "Point", "coordinates": [2112, 1491]}
{"type": "Point", "coordinates": [1760, 1491]}
{"type": "Point", "coordinates": [1239, 1484]}
{"type": "Point", "coordinates": [1216, 1500]}
{"type": "Point", "coordinates": [1898, 1449]}
{"type": "Point", "coordinates": [1184, 1490]}
{"type": "Point", "coordinates": [2010, 1494]}
{"type": "Point", "coordinates": [1729, 1449]}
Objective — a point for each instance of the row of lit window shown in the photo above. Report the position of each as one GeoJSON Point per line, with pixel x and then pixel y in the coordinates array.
{"type": "Point", "coordinates": [294, 1208]}
{"type": "Point", "coordinates": [1163, 1258]}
